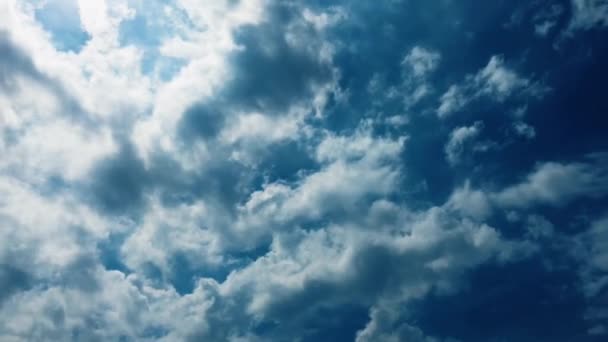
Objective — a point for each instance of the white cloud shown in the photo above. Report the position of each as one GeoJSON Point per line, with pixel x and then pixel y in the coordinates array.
{"type": "Point", "coordinates": [397, 120]}
{"type": "Point", "coordinates": [250, 133]}
{"type": "Point", "coordinates": [56, 149]}
{"type": "Point", "coordinates": [557, 184]}
{"type": "Point", "coordinates": [496, 81]}
{"type": "Point", "coordinates": [354, 170]}
{"type": "Point", "coordinates": [384, 326]}
{"type": "Point", "coordinates": [470, 203]}
{"type": "Point", "coordinates": [543, 28]}
{"type": "Point", "coordinates": [460, 138]}
{"type": "Point", "coordinates": [421, 61]}
{"type": "Point", "coordinates": [167, 232]}
{"type": "Point", "coordinates": [451, 101]}
{"type": "Point", "coordinates": [418, 251]}
{"type": "Point", "coordinates": [42, 234]}
{"type": "Point", "coordinates": [587, 14]}
{"type": "Point", "coordinates": [211, 70]}
{"type": "Point", "coordinates": [427, 250]}
{"type": "Point", "coordinates": [524, 130]}
{"type": "Point", "coordinates": [332, 235]}
{"type": "Point", "coordinates": [591, 250]}
{"type": "Point", "coordinates": [546, 19]}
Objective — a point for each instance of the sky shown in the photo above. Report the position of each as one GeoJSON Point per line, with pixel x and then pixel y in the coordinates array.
{"type": "Point", "coordinates": [284, 170]}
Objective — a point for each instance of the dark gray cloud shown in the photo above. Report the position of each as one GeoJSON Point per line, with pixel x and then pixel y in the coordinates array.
{"type": "Point", "coordinates": [280, 64]}
{"type": "Point", "coordinates": [13, 280]}
{"type": "Point", "coordinates": [118, 183]}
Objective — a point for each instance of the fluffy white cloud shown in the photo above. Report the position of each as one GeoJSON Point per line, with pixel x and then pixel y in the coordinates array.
{"type": "Point", "coordinates": [55, 149]}
{"type": "Point", "coordinates": [452, 100]}
{"type": "Point", "coordinates": [45, 232]}
{"type": "Point", "coordinates": [144, 195]}
{"type": "Point", "coordinates": [354, 170]}
{"type": "Point", "coordinates": [460, 138]}
{"type": "Point", "coordinates": [557, 184]}
{"type": "Point", "coordinates": [168, 232]}
{"type": "Point", "coordinates": [400, 259]}
{"type": "Point", "coordinates": [314, 269]}
{"type": "Point", "coordinates": [421, 61]}
{"type": "Point", "coordinates": [496, 81]}
{"type": "Point", "coordinates": [471, 203]}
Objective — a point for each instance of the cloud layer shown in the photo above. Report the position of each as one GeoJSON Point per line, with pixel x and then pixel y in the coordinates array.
{"type": "Point", "coordinates": [302, 171]}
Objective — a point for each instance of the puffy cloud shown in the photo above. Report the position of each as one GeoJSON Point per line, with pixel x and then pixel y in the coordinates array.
{"type": "Point", "coordinates": [523, 129]}
{"type": "Point", "coordinates": [167, 233]}
{"type": "Point", "coordinates": [384, 326]}
{"type": "Point", "coordinates": [354, 171]}
{"type": "Point", "coordinates": [587, 14]}
{"type": "Point", "coordinates": [557, 184]}
{"type": "Point", "coordinates": [496, 81]}
{"type": "Point", "coordinates": [302, 273]}
{"type": "Point", "coordinates": [452, 100]}
{"type": "Point", "coordinates": [418, 65]}
{"type": "Point", "coordinates": [343, 265]}
{"type": "Point", "coordinates": [470, 203]}
{"type": "Point", "coordinates": [459, 139]}
{"type": "Point", "coordinates": [50, 232]}
{"type": "Point", "coordinates": [55, 149]}
{"type": "Point", "coordinates": [421, 61]}
{"type": "Point", "coordinates": [272, 71]}
{"type": "Point", "coordinates": [413, 87]}
{"type": "Point", "coordinates": [178, 171]}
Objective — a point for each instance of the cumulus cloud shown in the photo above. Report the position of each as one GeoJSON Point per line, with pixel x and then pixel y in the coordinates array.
{"type": "Point", "coordinates": [355, 170]}
{"type": "Point", "coordinates": [460, 138]}
{"type": "Point", "coordinates": [271, 72]}
{"type": "Point", "coordinates": [383, 327]}
{"type": "Point", "coordinates": [340, 264]}
{"type": "Point", "coordinates": [241, 171]}
{"type": "Point", "coordinates": [418, 65]}
{"type": "Point", "coordinates": [524, 130]}
{"type": "Point", "coordinates": [557, 184]}
{"type": "Point", "coordinates": [303, 272]}
{"type": "Point", "coordinates": [421, 61]}
{"type": "Point", "coordinates": [495, 81]}
{"type": "Point", "coordinates": [417, 69]}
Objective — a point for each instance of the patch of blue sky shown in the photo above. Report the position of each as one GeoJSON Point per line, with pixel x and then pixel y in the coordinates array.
{"type": "Point", "coordinates": [147, 32]}
{"type": "Point", "coordinates": [61, 19]}
{"type": "Point", "coordinates": [161, 67]}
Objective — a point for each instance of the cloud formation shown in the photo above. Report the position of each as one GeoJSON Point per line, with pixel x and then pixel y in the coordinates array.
{"type": "Point", "coordinates": [298, 171]}
{"type": "Point", "coordinates": [495, 81]}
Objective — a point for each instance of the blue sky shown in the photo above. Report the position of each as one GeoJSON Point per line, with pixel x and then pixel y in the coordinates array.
{"type": "Point", "coordinates": [257, 170]}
